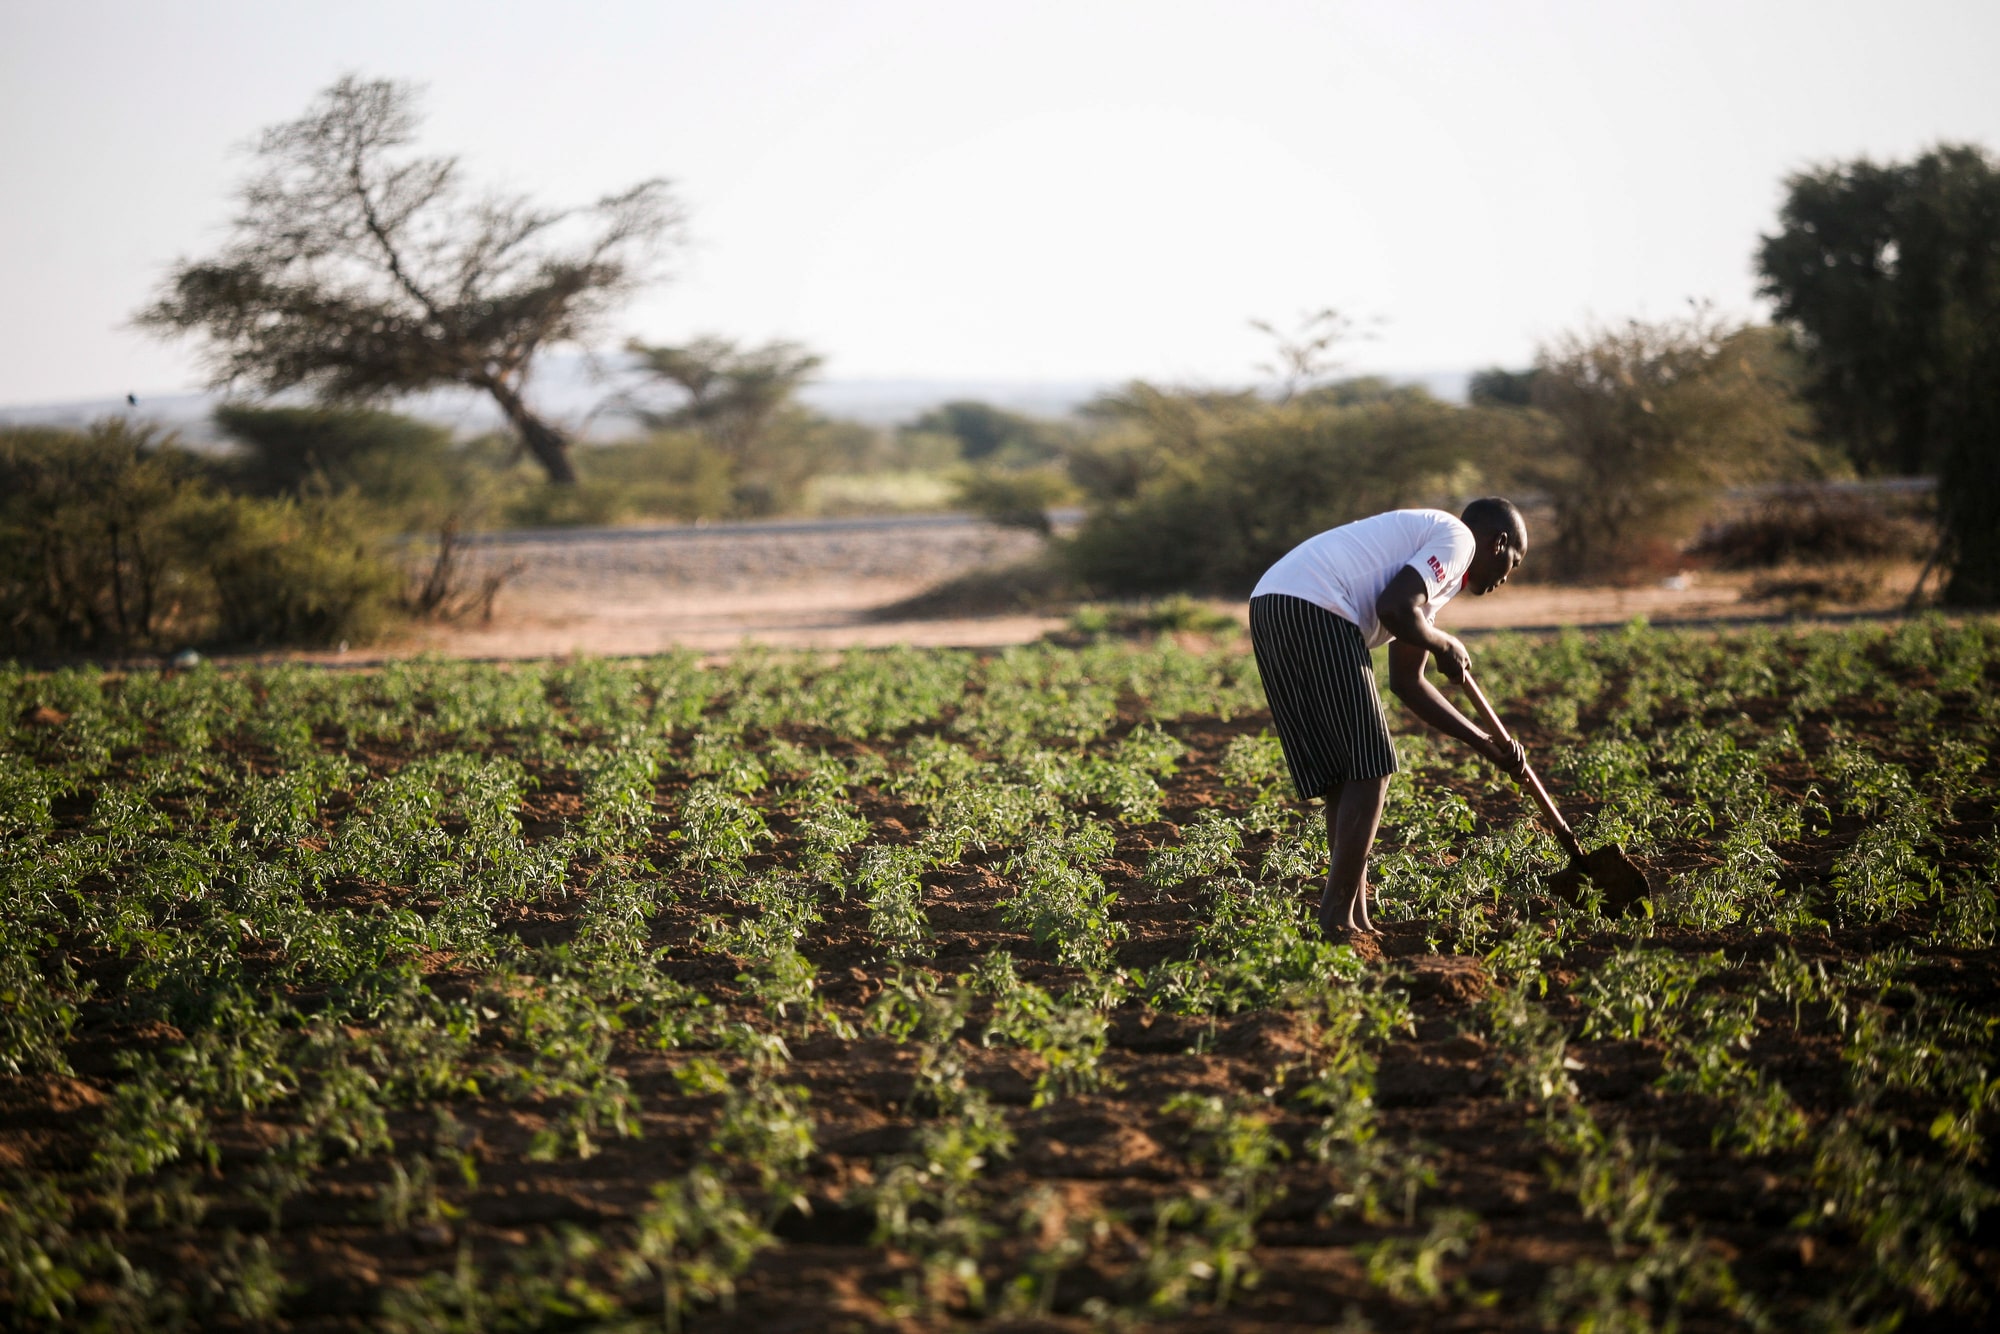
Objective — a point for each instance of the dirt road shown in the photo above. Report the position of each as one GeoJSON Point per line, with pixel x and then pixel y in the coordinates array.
{"type": "Point", "coordinates": [788, 585]}
{"type": "Point", "coordinates": [821, 585]}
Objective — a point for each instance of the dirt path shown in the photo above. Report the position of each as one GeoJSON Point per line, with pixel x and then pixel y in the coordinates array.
{"type": "Point", "coordinates": [803, 614]}
{"type": "Point", "coordinates": [799, 587]}
{"type": "Point", "coordinates": [1701, 596]}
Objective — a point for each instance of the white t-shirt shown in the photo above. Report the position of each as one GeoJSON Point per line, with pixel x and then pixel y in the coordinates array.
{"type": "Point", "coordinates": [1345, 569]}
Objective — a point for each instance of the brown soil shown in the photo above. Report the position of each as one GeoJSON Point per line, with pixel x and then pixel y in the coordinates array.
{"type": "Point", "coordinates": [1111, 1151]}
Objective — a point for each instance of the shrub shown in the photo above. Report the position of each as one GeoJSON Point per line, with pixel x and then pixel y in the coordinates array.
{"type": "Point", "coordinates": [582, 505]}
{"type": "Point", "coordinates": [1816, 526]}
{"type": "Point", "coordinates": [93, 539]}
{"type": "Point", "coordinates": [295, 572]}
{"type": "Point", "coordinates": [1205, 492]}
{"type": "Point", "coordinates": [981, 433]}
{"type": "Point", "coordinates": [114, 539]}
{"type": "Point", "coordinates": [395, 461]}
{"type": "Point", "coordinates": [671, 474]}
{"type": "Point", "coordinates": [1015, 499]}
{"type": "Point", "coordinates": [1651, 420]}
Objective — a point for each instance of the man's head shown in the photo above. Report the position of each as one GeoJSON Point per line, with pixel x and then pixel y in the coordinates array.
{"type": "Point", "coordinates": [1502, 537]}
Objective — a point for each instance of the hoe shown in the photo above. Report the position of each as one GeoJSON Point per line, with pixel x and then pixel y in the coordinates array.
{"type": "Point", "coordinates": [1620, 878]}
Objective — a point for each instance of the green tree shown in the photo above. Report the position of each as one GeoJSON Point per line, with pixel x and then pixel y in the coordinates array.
{"type": "Point", "coordinates": [1889, 275]}
{"type": "Point", "coordinates": [1496, 387]}
{"type": "Point", "coordinates": [358, 270]}
{"type": "Point", "coordinates": [744, 403]}
{"type": "Point", "coordinates": [982, 430]}
{"type": "Point", "coordinates": [1650, 420]}
{"type": "Point", "coordinates": [730, 394]}
{"type": "Point", "coordinates": [92, 535]}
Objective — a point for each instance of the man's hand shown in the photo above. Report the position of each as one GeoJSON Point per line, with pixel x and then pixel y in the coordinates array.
{"type": "Point", "coordinates": [1507, 755]}
{"type": "Point", "coordinates": [1452, 659]}
{"type": "Point", "coordinates": [1407, 659]}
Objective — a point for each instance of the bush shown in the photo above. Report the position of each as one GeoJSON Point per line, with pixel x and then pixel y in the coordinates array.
{"type": "Point", "coordinates": [114, 540]}
{"type": "Point", "coordinates": [1204, 493]}
{"type": "Point", "coordinates": [1817, 526]}
{"type": "Point", "coordinates": [341, 472]}
{"type": "Point", "coordinates": [94, 549]}
{"type": "Point", "coordinates": [1651, 421]}
{"type": "Point", "coordinates": [397, 462]}
{"type": "Point", "coordinates": [666, 475]}
{"type": "Point", "coordinates": [984, 434]}
{"type": "Point", "coordinates": [582, 505]}
{"type": "Point", "coordinates": [295, 572]}
{"type": "Point", "coordinates": [1015, 499]}
{"type": "Point", "coordinates": [670, 474]}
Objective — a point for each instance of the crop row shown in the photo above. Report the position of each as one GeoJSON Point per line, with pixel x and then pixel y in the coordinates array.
{"type": "Point", "coordinates": [754, 954]}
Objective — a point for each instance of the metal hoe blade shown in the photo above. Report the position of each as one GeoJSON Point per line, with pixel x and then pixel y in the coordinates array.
{"type": "Point", "coordinates": [1620, 879]}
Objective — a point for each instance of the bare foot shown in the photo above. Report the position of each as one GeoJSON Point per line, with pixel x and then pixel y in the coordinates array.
{"type": "Point", "coordinates": [1357, 913]}
{"type": "Point", "coordinates": [1346, 932]}
{"type": "Point", "coordinates": [1355, 921]}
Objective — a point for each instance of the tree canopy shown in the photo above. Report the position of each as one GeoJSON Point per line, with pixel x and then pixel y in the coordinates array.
{"type": "Point", "coordinates": [728, 393]}
{"type": "Point", "coordinates": [982, 430]}
{"type": "Point", "coordinates": [357, 269]}
{"type": "Point", "coordinates": [742, 401]}
{"type": "Point", "coordinates": [1889, 275]}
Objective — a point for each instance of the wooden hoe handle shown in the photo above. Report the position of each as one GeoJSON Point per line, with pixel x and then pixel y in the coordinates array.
{"type": "Point", "coordinates": [1564, 834]}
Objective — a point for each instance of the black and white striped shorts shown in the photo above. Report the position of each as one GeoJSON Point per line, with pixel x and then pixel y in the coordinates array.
{"type": "Point", "coordinates": [1321, 686]}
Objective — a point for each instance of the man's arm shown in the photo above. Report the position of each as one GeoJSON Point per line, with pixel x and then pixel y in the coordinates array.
{"type": "Point", "coordinates": [1401, 611]}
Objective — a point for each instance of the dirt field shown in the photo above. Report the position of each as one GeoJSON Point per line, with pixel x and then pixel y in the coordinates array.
{"type": "Point", "coordinates": [430, 1000]}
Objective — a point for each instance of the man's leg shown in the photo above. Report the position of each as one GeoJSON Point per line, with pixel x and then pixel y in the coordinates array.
{"type": "Point", "coordinates": [1352, 813]}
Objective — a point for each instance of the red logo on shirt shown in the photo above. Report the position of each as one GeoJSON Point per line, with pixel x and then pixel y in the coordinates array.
{"type": "Point", "coordinates": [1437, 568]}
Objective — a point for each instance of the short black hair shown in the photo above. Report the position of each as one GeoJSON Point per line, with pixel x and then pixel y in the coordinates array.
{"type": "Point", "coordinates": [1496, 514]}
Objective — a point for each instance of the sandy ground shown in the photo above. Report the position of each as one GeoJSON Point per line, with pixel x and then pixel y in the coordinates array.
{"type": "Point", "coordinates": [826, 613]}
{"type": "Point", "coordinates": [715, 592]}
{"type": "Point", "coordinates": [1701, 596]}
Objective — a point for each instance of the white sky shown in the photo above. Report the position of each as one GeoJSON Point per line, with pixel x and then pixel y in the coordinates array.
{"type": "Point", "coordinates": [1067, 190]}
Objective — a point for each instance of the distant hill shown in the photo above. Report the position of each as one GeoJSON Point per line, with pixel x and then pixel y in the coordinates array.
{"type": "Point", "coordinates": [581, 394]}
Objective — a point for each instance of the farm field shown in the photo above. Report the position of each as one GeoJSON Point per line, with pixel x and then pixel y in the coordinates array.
{"type": "Point", "coordinates": [918, 988]}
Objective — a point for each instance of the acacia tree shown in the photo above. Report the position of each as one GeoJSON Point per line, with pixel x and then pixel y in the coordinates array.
{"type": "Point", "coordinates": [728, 393]}
{"type": "Point", "coordinates": [1889, 275]}
{"type": "Point", "coordinates": [358, 270]}
{"type": "Point", "coordinates": [743, 402]}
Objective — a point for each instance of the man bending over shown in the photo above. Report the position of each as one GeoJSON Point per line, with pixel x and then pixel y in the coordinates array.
{"type": "Point", "coordinates": [1313, 618]}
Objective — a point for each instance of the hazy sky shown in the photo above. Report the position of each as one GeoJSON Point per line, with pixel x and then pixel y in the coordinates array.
{"type": "Point", "coordinates": [1060, 190]}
